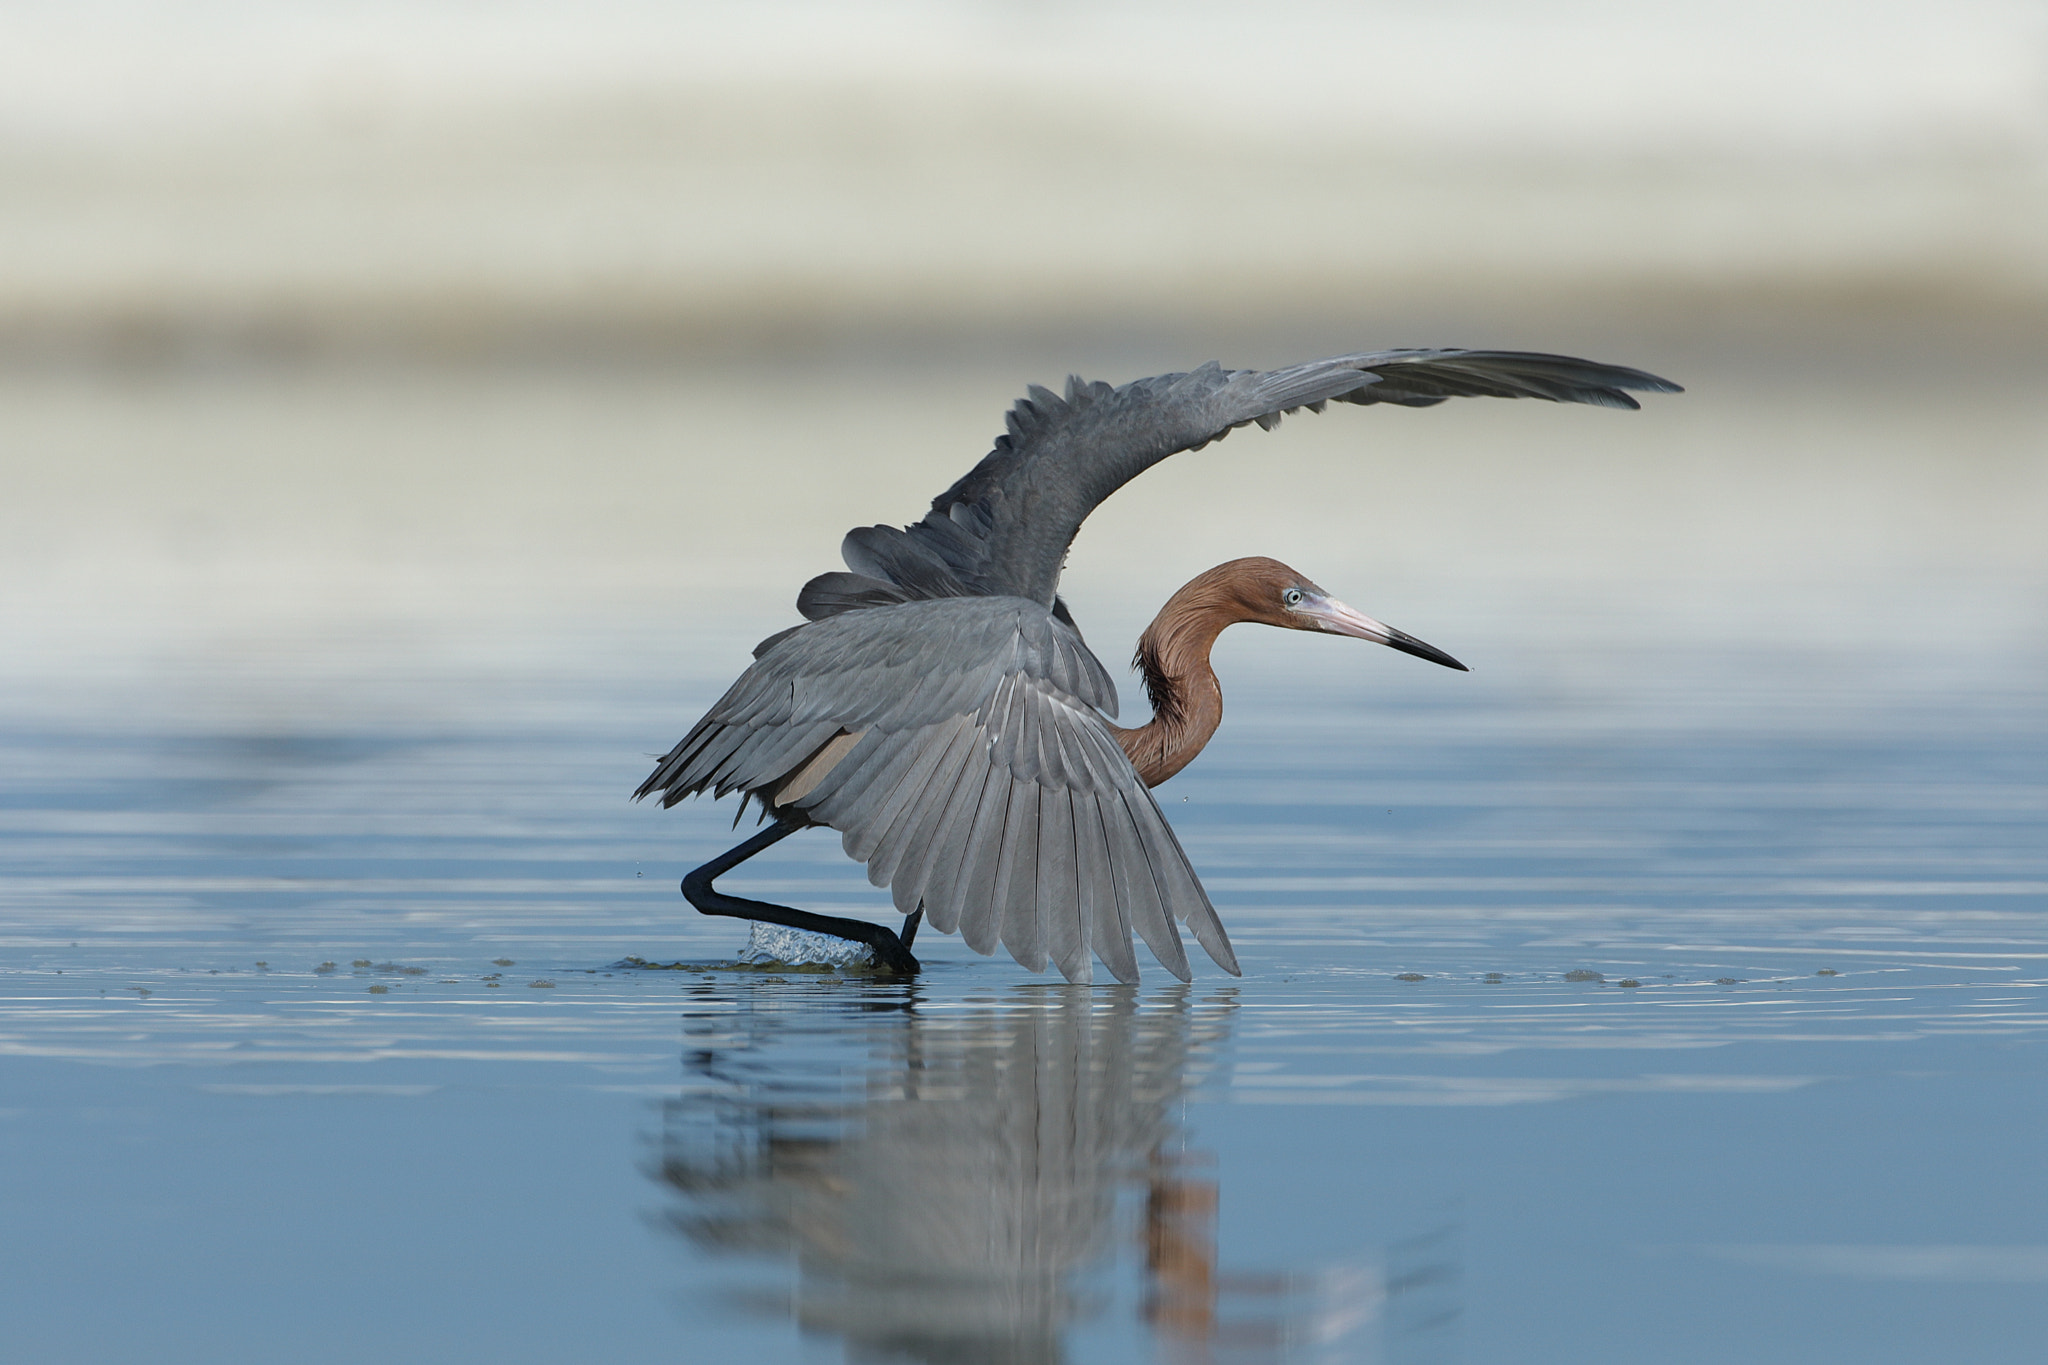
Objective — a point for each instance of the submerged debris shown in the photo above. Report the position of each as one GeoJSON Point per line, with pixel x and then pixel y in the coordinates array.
{"type": "Point", "coordinates": [1581, 974]}
{"type": "Point", "coordinates": [1410, 976]}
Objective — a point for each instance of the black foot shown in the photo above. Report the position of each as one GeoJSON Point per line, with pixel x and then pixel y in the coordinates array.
{"type": "Point", "coordinates": [891, 953]}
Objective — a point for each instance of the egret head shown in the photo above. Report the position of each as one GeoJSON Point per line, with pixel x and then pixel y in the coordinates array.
{"type": "Point", "coordinates": [1270, 593]}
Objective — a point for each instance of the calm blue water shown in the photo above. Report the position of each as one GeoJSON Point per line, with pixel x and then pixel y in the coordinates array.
{"type": "Point", "coordinates": [1813, 1130]}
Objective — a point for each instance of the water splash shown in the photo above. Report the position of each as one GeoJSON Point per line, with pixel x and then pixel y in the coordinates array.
{"type": "Point", "coordinates": [771, 943]}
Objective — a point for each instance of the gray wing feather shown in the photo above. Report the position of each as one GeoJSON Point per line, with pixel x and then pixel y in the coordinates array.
{"type": "Point", "coordinates": [905, 856]}
{"type": "Point", "coordinates": [926, 749]}
{"type": "Point", "coordinates": [908, 839]}
{"type": "Point", "coordinates": [1059, 913]}
{"type": "Point", "coordinates": [1004, 528]}
{"type": "Point", "coordinates": [717, 750]}
{"type": "Point", "coordinates": [802, 742]}
{"type": "Point", "coordinates": [1016, 890]}
{"type": "Point", "coordinates": [759, 748]}
{"type": "Point", "coordinates": [852, 794]}
{"type": "Point", "coordinates": [932, 867]}
{"type": "Point", "coordinates": [1138, 889]}
{"type": "Point", "coordinates": [705, 758]}
{"type": "Point", "coordinates": [1180, 894]}
{"type": "Point", "coordinates": [1023, 752]}
{"type": "Point", "coordinates": [974, 907]}
{"type": "Point", "coordinates": [1101, 900]}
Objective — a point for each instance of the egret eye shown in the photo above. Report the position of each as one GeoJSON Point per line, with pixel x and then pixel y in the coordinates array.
{"type": "Point", "coordinates": [1292, 597]}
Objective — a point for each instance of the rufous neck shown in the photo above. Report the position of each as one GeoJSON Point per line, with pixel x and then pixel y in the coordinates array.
{"type": "Point", "coordinates": [1187, 700]}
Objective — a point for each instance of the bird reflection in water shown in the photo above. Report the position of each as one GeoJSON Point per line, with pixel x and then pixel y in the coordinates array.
{"type": "Point", "coordinates": [946, 1181]}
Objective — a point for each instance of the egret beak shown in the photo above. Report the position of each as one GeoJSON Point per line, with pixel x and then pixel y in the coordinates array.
{"type": "Point", "coordinates": [1331, 615]}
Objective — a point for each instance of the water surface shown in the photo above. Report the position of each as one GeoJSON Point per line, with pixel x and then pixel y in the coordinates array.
{"type": "Point", "coordinates": [1670, 987]}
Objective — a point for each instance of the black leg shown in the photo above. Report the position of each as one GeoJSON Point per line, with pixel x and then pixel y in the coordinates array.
{"type": "Point", "coordinates": [910, 923]}
{"type": "Point", "coordinates": [889, 950]}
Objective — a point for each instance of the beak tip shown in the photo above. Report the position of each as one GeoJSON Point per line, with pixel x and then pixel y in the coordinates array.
{"type": "Point", "coordinates": [1339, 619]}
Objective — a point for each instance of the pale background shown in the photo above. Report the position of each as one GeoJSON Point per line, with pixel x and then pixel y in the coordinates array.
{"type": "Point", "coordinates": [410, 414]}
{"type": "Point", "coordinates": [335, 336]}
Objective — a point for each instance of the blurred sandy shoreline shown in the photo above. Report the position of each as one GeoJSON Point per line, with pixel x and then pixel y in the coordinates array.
{"type": "Point", "coordinates": [320, 245]}
{"type": "Point", "coordinates": [1885, 331]}
{"type": "Point", "coordinates": [291, 180]}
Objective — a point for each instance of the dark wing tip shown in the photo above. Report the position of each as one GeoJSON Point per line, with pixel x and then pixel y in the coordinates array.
{"type": "Point", "coordinates": [1415, 377]}
{"type": "Point", "coordinates": [1651, 383]}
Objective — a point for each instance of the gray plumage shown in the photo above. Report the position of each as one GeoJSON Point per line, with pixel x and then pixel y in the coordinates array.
{"type": "Point", "coordinates": [940, 710]}
{"type": "Point", "coordinates": [983, 782]}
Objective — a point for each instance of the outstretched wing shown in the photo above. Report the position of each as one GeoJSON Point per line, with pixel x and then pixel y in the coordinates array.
{"type": "Point", "coordinates": [959, 747]}
{"type": "Point", "coordinates": [1004, 529]}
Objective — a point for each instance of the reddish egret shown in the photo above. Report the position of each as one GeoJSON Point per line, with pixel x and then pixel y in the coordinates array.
{"type": "Point", "coordinates": [939, 709]}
